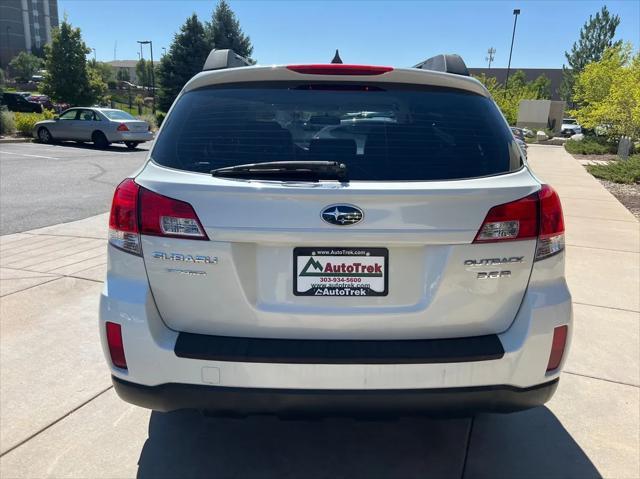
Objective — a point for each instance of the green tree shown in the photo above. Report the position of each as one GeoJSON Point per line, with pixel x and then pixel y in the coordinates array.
{"type": "Point", "coordinates": [508, 99]}
{"type": "Point", "coordinates": [123, 74]}
{"type": "Point", "coordinates": [143, 72]}
{"type": "Point", "coordinates": [608, 92]}
{"type": "Point", "coordinates": [68, 77]}
{"type": "Point", "coordinates": [97, 85]}
{"type": "Point", "coordinates": [542, 86]}
{"type": "Point", "coordinates": [596, 35]}
{"type": "Point", "coordinates": [517, 80]}
{"type": "Point", "coordinates": [104, 70]}
{"type": "Point", "coordinates": [24, 65]}
{"type": "Point", "coordinates": [184, 59]}
{"type": "Point", "coordinates": [224, 31]}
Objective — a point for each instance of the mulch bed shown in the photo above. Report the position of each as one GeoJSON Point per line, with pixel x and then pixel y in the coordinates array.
{"type": "Point", "coordinates": [595, 157]}
{"type": "Point", "coordinates": [628, 195]}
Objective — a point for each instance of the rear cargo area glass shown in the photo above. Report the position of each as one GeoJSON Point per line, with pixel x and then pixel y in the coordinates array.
{"type": "Point", "coordinates": [381, 132]}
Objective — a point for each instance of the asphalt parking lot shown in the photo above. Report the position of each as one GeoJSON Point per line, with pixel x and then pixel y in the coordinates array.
{"type": "Point", "coordinates": [42, 185]}
{"type": "Point", "coordinates": [61, 418]}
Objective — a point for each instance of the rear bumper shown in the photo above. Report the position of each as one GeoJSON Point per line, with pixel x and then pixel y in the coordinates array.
{"type": "Point", "coordinates": [249, 401]}
{"type": "Point", "coordinates": [139, 136]}
{"type": "Point", "coordinates": [165, 371]}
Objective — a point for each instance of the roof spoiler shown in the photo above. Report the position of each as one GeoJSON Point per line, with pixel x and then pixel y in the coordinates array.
{"type": "Point", "coordinates": [447, 63]}
{"type": "Point", "coordinates": [219, 59]}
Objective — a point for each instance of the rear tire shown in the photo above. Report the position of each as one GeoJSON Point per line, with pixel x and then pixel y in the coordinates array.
{"type": "Point", "coordinates": [132, 145]}
{"type": "Point", "coordinates": [99, 140]}
{"type": "Point", "coordinates": [44, 135]}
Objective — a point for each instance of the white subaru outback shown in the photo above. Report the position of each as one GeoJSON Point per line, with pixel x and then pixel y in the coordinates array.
{"type": "Point", "coordinates": [335, 239]}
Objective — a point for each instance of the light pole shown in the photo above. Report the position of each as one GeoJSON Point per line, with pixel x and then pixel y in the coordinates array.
{"type": "Point", "coordinates": [8, 44]}
{"type": "Point", "coordinates": [153, 77]}
{"type": "Point", "coordinates": [164, 51]}
{"type": "Point", "coordinates": [516, 12]}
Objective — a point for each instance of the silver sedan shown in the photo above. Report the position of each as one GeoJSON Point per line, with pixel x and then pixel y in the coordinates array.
{"type": "Point", "coordinates": [102, 126]}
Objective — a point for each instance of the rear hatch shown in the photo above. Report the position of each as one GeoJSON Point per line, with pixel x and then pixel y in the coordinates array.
{"type": "Point", "coordinates": [387, 253]}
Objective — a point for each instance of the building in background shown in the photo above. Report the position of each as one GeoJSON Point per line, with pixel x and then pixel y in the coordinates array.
{"type": "Point", "coordinates": [130, 67]}
{"type": "Point", "coordinates": [25, 25]}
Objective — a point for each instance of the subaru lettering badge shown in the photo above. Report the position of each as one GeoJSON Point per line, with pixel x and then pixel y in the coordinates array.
{"type": "Point", "coordinates": [342, 215]}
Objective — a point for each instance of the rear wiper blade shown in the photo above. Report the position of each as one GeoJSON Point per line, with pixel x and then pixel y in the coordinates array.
{"type": "Point", "coordinates": [316, 170]}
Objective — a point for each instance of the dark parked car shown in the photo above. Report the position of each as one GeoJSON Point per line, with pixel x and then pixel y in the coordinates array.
{"type": "Point", "coordinates": [44, 100]}
{"type": "Point", "coordinates": [17, 102]}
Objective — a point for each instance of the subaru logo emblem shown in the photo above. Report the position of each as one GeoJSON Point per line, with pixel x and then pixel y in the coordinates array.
{"type": "Point", "coordinates": [342, 215]}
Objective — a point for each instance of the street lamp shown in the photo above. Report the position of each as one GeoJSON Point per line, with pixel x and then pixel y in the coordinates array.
{"type": "Point", "coordinates": [153, 77]}
{"type": "Point", "coordinates": [516, 12]}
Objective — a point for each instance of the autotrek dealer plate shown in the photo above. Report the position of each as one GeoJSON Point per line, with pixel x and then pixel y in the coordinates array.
{"type": "Point", "coordinates": [324, 271]}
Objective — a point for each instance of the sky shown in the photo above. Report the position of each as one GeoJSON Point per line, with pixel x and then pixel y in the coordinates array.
{"type": "Point", "coordinates": [382, 32]}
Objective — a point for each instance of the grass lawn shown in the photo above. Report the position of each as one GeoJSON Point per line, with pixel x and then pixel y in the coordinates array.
{"type": "Point", "coordinates": [619, 171]}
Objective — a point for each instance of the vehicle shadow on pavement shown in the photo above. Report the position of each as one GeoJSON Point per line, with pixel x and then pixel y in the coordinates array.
{"type": "Point", "coordinates": [531, 444]}
{"type": "Point", "coordinates": [115, 148]}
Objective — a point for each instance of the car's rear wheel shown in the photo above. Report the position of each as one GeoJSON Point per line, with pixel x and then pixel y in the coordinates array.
{"type": "Point", "coordinates": [99, 140]}
{"type": "Point", "coordinates": [44, 135]}
{"type": "Point", "coordinates": [131, 144]}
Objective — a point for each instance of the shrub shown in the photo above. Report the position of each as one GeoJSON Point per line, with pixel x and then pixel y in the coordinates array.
{"type": "Point", "coordinates": [149, 119]}
{"type": "Point", "coordinates": [25, 122]}
{"type": "Point", "coordinates": [7, 123]}
{"type": "Point", "coordinates": [618, 171]}
{"type": "Point", "coordinates": [160, 118]}
{"type": "Point", "coordinates": [590, 146]}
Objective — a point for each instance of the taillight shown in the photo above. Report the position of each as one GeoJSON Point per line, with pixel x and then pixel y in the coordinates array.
{"type": "Point", "coordinates": [163, 216]}
{"type": "Point", "coordinates": [339, 69]}
{"type": "Point", "coordinates": [122, 127]}
{"type": "Point", "coordinates": [558, 344]}
{"type": "Point", "coordinates": [123, 220]}
{"type": "Point", "coordinates": [538, 215]}
{"type": "Point", "coordinates": [517, 220]}
{"type": "Point", "coordinates": [551, 238]}
{"type": "Point", "coordinates": [116, 345]}
{"type": "Point", "coordinates": [136, 210]}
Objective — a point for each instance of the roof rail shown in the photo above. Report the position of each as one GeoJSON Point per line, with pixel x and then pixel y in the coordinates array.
{"type": "Point", "coordinates": [447, 63]}
{"type": "Point", "coordinates": [219, 59]}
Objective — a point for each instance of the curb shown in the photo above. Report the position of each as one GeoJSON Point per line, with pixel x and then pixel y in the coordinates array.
{"type": "Point", "coordinates": [15, 140]}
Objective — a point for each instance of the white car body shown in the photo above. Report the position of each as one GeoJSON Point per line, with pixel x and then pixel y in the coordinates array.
{"type": "Point", "coordinates": [178, 296]}
{"type": "Point", "coordinates": [570, 127]}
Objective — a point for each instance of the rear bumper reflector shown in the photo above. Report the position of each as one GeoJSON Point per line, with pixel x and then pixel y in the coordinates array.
{"type": "Point", "coordinates": [308, 351]}
{"type": "Point", "coordinates": [394, 402]}
{"type": "Point", "coordinates": [557, 347]}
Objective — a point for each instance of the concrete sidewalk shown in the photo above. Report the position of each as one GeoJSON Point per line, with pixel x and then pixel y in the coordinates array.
{"type": "Point", "coordinates": [61, 418]}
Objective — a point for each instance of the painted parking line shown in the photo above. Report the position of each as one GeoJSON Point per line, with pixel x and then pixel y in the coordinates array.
{"type": "Point", "coordinates": [11, 153]}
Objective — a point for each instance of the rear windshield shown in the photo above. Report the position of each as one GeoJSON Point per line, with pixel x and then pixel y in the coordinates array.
{"type": "Point", "coordinates": [117, 115]}
{"type": "Point", "coordinates": [390, 133]}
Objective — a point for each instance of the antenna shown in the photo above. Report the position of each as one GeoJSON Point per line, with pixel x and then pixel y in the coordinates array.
{"type": "Point", "coordinates": [491, 51]}
{"type": "Point", "coordinates": [336, 58]}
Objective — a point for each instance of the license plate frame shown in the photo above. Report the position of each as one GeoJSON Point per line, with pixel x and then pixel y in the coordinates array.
{"type": "Point", "coordinates": [348, 280]}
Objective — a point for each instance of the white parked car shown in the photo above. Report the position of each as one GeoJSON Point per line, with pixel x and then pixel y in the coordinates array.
{"type": "Point", "coordinates": [102, 126]}
{"type": "Point", "coordinates": [570, 127]}
{"type": "Point", "coordinates": [255, 268]}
